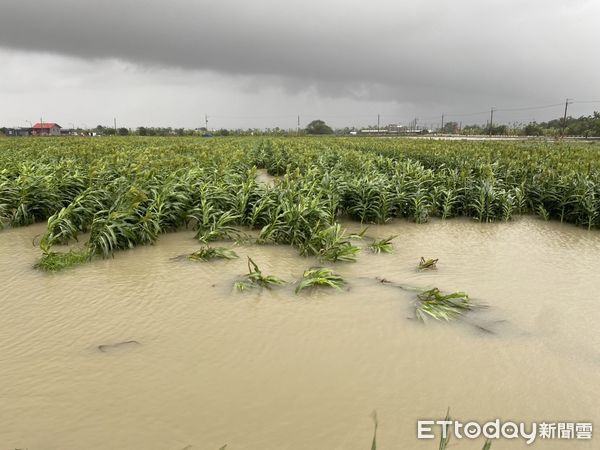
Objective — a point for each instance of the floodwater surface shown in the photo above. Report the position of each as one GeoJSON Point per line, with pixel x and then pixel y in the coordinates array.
{"type": "Point", "coordinates": [149, 352]}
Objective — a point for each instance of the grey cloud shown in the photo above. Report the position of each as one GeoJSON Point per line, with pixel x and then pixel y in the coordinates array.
{"type": "Point", "coordinates": [464, 52]}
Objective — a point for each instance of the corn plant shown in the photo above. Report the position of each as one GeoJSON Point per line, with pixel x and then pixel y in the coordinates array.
{"type": "Point", "coordinates": [449, 200]}
{"type": "Point", "coordinates": [216, 227]}
{"type": "Point", "coordinates": [420, 206]}
{"type": "Point", "coordinates": [543, 212]}
{"type": "Point", "coordinates": [34, 200]}
{"type": "Point", "coordinates": [128, 192]}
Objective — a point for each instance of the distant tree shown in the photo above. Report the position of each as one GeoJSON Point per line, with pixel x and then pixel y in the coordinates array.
{"type": "Point", "coordinates": [123, 132]}
{"type": "Point", "coordinates": [500, 130]}
{"type": "Point", "coordinates": [533, 129]}
{"type": "Point", "coordinates": [142, 131]}
{"type": "Point", "coordinates": [318, 127]}
{"type": "Point", "coordinates": [450, 128]}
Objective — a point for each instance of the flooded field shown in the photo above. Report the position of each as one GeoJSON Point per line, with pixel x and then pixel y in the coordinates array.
{"type": "Point", "coordinates": [143, 351]}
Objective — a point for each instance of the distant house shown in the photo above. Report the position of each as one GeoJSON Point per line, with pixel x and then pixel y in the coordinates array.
{"type": "Point", "coordinates": [46, 129]}
{"type": "Point", "coordinates": [18, 132]}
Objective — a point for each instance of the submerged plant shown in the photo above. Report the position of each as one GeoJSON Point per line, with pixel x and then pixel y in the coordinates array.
{"type": "Point", "coordinates": [433, 303]}
{"type": "Point", "coordinates": [427, 264]}
{"type": "Point", "coordinates": [375, 424]}
{"type": "Point", "coordinates": [320, 276]}
{"type": "Point", "coordinates": [206, 253]}
{"type": "Point", "coordinates": [444, 439]}
{"type": "Point", "coordinates": [255, 278]}
{"type": "Point", "coordinates": [383, 245]}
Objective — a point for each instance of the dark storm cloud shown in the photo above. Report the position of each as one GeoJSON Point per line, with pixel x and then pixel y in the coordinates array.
{"type": "Point", "coordinates": [434, 52]}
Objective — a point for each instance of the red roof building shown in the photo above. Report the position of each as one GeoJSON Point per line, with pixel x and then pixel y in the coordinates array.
{"type": "Point", "coordinates": [46, 129]}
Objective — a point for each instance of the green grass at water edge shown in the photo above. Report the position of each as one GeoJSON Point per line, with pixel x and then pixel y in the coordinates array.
{"type": "Point", "coordinates": [56, 261]}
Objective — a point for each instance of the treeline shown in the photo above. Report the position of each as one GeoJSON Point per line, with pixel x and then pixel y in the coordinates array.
{"type": "Point", "coordinates": [586, 126]}
{"type": "Point", "coordinates": [582, 126]}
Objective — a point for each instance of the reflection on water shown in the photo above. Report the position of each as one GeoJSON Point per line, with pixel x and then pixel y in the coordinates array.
{"type": "Point", "coordinates": [270, 369]}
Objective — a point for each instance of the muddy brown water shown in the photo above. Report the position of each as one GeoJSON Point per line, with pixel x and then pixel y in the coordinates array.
{"type": "Point", "coordinates": [203, 366]}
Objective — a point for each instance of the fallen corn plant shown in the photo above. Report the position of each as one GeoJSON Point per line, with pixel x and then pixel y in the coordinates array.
{"type": "Point", "coordinates": [383, 245]}
{"type": "Point", "coordinates": [207, 253]}
{"type": "Point", "coordinates": [439, 306]}
{"type": "Point", "coordinates": [255, 278]}
{"type": "Point", "coordinates": [320, 276]}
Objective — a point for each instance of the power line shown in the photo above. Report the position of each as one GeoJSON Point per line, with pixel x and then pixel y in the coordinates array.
{"type": "Point", "coordinates": [530, 108]}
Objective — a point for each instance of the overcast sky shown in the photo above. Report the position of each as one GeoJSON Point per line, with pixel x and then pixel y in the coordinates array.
{"type": "Point", "coordinates": [260, 63]}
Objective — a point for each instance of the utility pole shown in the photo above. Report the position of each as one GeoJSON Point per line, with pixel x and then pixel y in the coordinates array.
{"type": "Point", "coordinates": [442, 128]}
{"type": "Point", "coordinates": [206, 122]}
{"type": "Point", "coordinates": [564, 123]}
{"type": "Point", "coordinates": [115, 121]}
{"type": "Point", "coordinates": [491, 120]}
{"type": "Point", "coordinates": [378, 123]}
{"type": "Point", "coordinates": [298, 132]}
